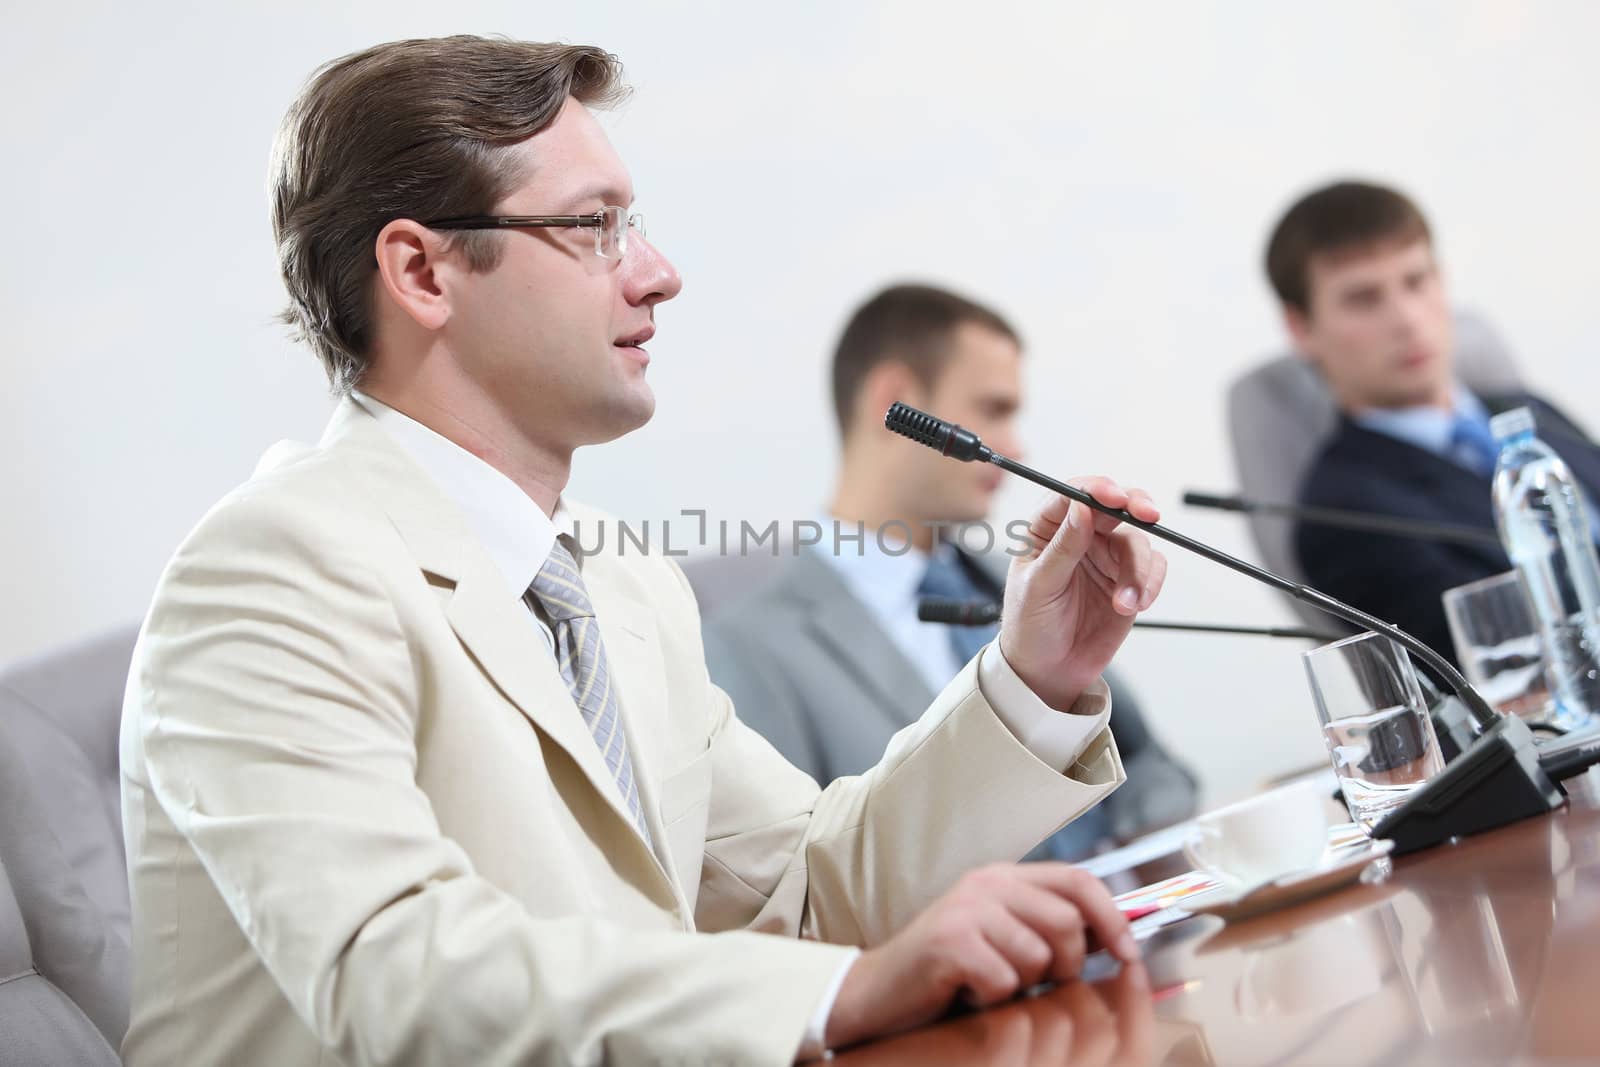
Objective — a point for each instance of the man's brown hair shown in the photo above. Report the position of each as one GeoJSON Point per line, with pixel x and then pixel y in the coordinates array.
{"type": "Point", "coordinates": [1344, 217]}
{"type": "Point", "coordinates": [909, 324]}
{"type": "Point", "coordinates": [417, 129]}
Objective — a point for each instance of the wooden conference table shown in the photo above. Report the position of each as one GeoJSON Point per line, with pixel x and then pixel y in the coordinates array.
{"type": "Point", "coordinates": [1482, 952]}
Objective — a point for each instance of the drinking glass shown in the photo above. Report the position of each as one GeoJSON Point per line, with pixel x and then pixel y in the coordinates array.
{"type": "Point", "coordinates": [1497, 644]}
{"type": "Point", "coordinates": [1374, 723]}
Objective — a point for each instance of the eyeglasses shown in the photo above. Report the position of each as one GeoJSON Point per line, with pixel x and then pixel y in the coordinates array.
{"type": "Point", "coordinates": [610, 225]}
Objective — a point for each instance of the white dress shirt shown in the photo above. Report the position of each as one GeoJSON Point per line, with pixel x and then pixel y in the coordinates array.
{"type": "Point", "coordinates": [518, 536]}
{"type": "Point", "coordinates": [516, 532]}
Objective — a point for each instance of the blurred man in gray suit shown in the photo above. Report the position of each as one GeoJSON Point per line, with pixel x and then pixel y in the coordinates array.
{"type": "Point", "coordinates": [828, 660]}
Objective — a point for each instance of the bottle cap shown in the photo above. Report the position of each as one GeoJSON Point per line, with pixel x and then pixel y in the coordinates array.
{"type": "Point", "coordinates": [1509, 424]}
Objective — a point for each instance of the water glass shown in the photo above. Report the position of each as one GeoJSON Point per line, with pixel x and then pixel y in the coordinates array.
{"type": "Point", "coordinates": [1374, 723]}
{"type": "Point", "coordinates": [1497, 645]}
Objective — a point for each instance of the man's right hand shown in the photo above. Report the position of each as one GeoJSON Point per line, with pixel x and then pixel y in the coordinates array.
{"type": "Point", "coordinates": [998, 931]}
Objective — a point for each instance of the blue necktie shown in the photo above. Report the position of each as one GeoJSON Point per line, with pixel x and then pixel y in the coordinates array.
{"type": "Point", "coordinates": [1472, 445]}
{"type": "Point", "coordinates": [948, 577]}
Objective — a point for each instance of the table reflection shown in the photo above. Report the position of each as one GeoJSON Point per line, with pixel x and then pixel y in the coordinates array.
{"type": "Point", "coordinates": [1110, 1023]}
{"type": "Point", "coordinates": [1445, 958]}
{"type": "Point", "coordinates": [1480, 952]}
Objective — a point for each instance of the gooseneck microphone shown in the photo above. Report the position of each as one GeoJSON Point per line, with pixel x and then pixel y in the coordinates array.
{"type": "Point", "coordinates": [1344, 519]}
{"type": "Point", "coordinates": [1299, 633]}
{"type": "Point", "coordinates": [952, 612]}
{"type": "Point", "coordinates": [953, 441]}
{"type": "Point", "coordinates": [1495, 781]}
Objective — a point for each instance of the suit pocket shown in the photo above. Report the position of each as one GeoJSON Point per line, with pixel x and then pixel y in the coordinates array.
{"type": "Point", "coordinates": [685, 789]}
{"type": "Point", "coordinates": [685, 804]}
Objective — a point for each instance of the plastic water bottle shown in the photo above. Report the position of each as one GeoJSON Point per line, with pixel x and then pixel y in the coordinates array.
{"type": "Point", "coordinates": [1544, 526]}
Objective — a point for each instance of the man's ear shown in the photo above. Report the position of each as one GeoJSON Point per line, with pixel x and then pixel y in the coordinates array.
{"type": "Point", "coordinates": [1298, 323]}
{"type": "Point", "coordinates": [412, 270]}
{"type": "Point", "coordinates": [887, 382]}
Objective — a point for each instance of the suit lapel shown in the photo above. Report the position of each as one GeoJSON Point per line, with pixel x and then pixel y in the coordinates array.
{"type": "Point", "coordinates": [1443, 491]}
{"type": "Point", "coordinates": [842, 624]}
{"type": "Point", "coordinates": [988, 571]}
{"type": "Point", "coordinates": [1554, 428]}
{"type": "Point", "coordinates": [495, 627]}
{"type": "Point", "coordinates": [633, 650]}
{"type": "Point", "coordinates": [501, 635]}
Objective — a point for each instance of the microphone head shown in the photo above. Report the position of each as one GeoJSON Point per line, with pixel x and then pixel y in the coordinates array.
{"type": "Point", "coordinates": [946, 438]}
{"type": "Point", "coordinates": [954, 612]}
{"type": "Point", "coordinates": [1216, 500]}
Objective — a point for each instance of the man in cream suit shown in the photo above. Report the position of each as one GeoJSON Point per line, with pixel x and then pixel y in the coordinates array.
{"type": "Point", "coordinates": [406, 781]}
{"type": "Point", "coordinates": [828, 660]}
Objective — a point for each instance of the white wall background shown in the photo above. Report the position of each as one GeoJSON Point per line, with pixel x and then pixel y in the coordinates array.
{"type": "Point", "coordinates": [1103, 172]}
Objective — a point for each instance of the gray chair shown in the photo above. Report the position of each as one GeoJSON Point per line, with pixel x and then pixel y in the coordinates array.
{"type": "Point", "coordinates": [1280, 415]}
{"type": "Point", "coordinates": [62, 712]}
{"type": "Point", "coordinates": [61, 843]}
{"type": "Point", "coordinates": [64, 975]}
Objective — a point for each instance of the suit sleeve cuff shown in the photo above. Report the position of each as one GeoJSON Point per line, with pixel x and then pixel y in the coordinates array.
{"type": "Point", "coordinates": [1056, 738]}
{"type": "Point", "coordinates": [814, 1044]}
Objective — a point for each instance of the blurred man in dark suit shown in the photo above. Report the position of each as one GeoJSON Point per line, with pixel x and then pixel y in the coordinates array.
{"type": "Point", "coordinates": [829, 659]}
{"type": "Point", "coordinates": [1355, 269]}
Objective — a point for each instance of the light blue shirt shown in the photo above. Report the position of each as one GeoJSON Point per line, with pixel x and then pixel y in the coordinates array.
{"type": "Point", "coordinates": [886, 583]}
{"type": "Point", "coordinates": [1429, 428]}
{"type": "Point", "coordinates": [1433, 429]}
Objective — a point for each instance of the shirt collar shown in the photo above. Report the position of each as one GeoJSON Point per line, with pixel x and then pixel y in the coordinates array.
{"type": "Point", "coordinates": [517, 534]}
{"type": "Point", "coordinates": [1429, 428]}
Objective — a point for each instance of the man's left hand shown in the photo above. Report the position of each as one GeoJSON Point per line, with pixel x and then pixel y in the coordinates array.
{"type": "Point", "coordinates": [1072, 596]}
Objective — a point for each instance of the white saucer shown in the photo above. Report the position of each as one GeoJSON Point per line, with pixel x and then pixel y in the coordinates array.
{"type": "Point", "coordinates": [1334, 872]}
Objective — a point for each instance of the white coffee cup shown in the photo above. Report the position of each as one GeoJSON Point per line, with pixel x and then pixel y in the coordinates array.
{"type": "Point", "coordinates": [1265, 837]}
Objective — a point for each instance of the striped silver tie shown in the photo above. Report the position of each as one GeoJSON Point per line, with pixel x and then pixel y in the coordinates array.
{"type": "Point", "coordinates": [581, 657]}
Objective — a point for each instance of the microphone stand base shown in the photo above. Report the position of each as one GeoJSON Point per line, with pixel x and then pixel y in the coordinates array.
{"type": "Point", "coordinates": [1454, 726]}
{"type": "Point", "coordinates": [1495, 780]}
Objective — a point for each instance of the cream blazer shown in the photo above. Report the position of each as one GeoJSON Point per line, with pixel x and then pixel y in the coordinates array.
{"type": "Point", "coordinates": [366, 823]}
